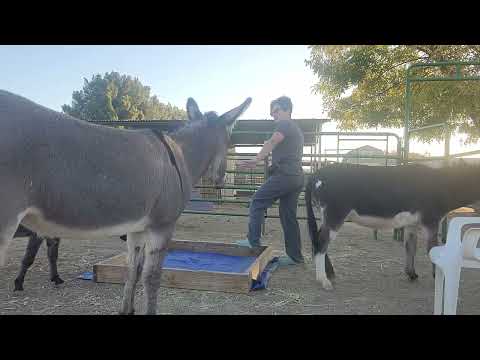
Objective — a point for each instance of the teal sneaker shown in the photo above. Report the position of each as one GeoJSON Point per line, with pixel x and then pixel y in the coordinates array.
{"type": "Point", "coordinates": [245, 243]}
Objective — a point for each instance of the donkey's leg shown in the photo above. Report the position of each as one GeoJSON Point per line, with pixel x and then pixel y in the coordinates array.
{"type": "Point", "coordinates": [155, 252]}
{"type": "Point", "coordinates": [33, 245]}
{"type": "Point", "coordinates": [135, 247]}
{"type": "Point", "coordinates": [13, 206]}
{"type": "Point", "coordinates": [53, 244]}
{"type": "Point", "coordinates": [410, 242]}
{"type": "Point", "coordinates": [323, 265]}
{"type": "Point", "coordinates": [328, 264]}
{"type": "Point", "coordinates": [10, 218]}
{"type": "Point", "coordinates": [431, 235]}
{"type": "Point", "coordinates": [7, 230]}
{"type": "Point", "coordinates": [329, 267]}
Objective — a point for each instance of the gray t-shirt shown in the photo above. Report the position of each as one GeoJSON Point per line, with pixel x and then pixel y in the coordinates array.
{"type": "Point", "coordinates": [287, 155]}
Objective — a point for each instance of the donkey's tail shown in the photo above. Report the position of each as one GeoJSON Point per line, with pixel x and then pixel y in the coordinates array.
{"type": "Point", "coordinates": [312, 223]}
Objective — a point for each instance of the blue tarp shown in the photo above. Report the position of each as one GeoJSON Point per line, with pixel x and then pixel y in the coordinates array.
{"type": "Point", "coordinates": [191, 260]}
{"type": "Point", "coordinates": [262, 281]}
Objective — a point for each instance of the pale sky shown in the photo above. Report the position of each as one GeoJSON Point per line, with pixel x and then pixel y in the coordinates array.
{"type": "Point", "coordinates": [218, 77]}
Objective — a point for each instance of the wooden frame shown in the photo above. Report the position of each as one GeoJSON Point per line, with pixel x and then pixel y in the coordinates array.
{"type": "Point", "coordinates": [114, 270]}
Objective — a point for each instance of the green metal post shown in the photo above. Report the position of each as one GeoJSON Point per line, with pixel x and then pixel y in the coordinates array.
{"type": "Point", "coordinates": [406, 137]}
{"type": "Point", "coordinates": [398, 234]}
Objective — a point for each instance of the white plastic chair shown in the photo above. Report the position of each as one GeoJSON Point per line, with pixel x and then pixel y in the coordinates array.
{"type": "Point", "coordinates": [459, 251]}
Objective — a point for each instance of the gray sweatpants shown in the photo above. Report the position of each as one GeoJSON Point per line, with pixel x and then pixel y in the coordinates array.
{"type": "Point", "coordinates": [287, 188]}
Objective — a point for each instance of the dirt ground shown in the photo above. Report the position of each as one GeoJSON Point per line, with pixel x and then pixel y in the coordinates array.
{"type": "Point", "coordinates": [369, 278]}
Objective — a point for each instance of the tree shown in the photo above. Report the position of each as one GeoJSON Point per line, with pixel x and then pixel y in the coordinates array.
{"type": "Point", "coordinates": [157, 110]}
{"type": "Point", "coordinates": [364, 86]}
{"type": "Point", "coordinates": [119, 97]}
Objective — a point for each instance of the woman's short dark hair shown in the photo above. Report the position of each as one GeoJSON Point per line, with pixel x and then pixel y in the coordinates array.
{"type": "Point", "coordinates": [284, 102]}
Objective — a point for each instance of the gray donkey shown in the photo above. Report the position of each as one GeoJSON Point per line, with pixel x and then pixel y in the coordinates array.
{"type": "Point", "coordinates": [64, 177]}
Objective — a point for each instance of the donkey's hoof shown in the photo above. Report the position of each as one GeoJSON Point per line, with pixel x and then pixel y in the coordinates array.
{"type": "Point", "coordinates": [18, 286]}
{"type": "Point", "coordinates": [57, 280]}
{"type": "Point", "coordinates": [412, 276]}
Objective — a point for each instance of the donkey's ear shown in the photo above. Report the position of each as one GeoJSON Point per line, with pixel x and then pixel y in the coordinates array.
{"type": "Point", "coordinates": [193, 111]}
{"type": "Point", "coordinates": [230, 116]}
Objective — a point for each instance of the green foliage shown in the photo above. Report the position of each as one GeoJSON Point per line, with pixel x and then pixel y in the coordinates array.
{"type": "Point", "coordinates": [363, 86]}
{"type": "Point", "coordinates": [119, 97]}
